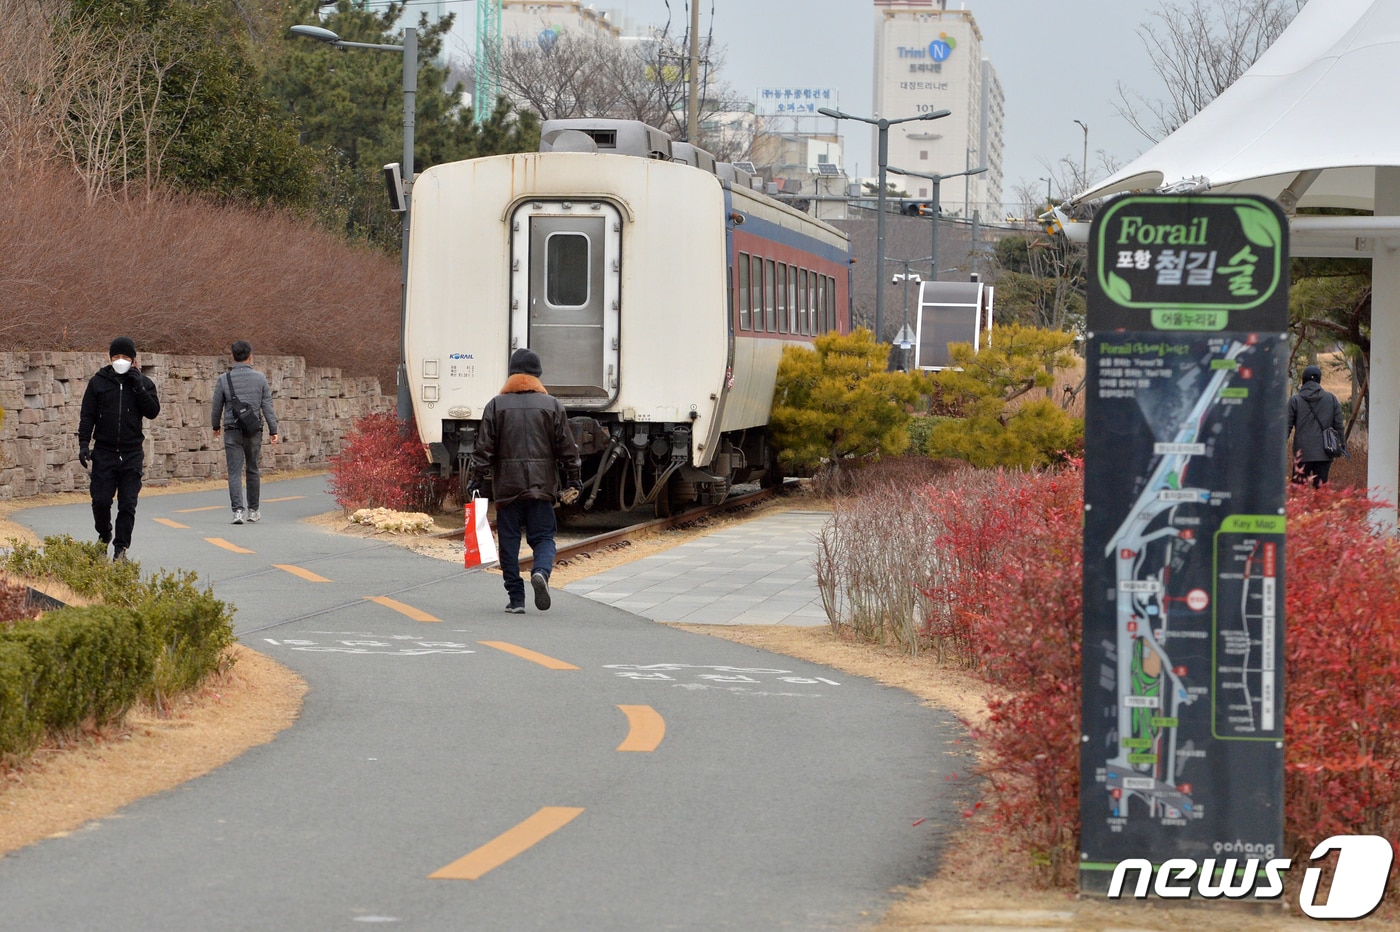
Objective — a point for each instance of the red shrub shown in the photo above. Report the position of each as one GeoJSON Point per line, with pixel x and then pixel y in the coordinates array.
{"type": "Point", "coordinates": [1013, 556]}
{"type": "Point", "coordinates": [1021, 556]}
{"type": "Point", "coordinates": [1342, 772]}
{"type": "Point", "coordinates": [15, 604]}
{"type": "Point", "coordinates": [381, 465]}
{"type": "Point", "coordinates": [977, 530]}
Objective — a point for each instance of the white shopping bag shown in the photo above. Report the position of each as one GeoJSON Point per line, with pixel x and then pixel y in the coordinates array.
{"type": "Point", "coordinates": [481, 546]}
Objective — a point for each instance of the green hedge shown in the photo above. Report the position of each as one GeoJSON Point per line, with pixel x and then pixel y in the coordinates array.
{"type": "Point", "coordinates": [152, 639]}
{"type": "Point", "coordinates": [88, 663]}
{"type": "Point", "coordinates": [20, 730]}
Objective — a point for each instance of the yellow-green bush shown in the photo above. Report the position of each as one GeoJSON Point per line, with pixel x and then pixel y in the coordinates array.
{"type": "Point", "coordinates": [837, 400]}
{"type": "Point", "coordinates": [982, 425]}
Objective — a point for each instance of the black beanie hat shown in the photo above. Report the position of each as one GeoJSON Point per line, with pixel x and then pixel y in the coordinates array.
{"type": "Point", "coordinates": [122, 346]}
{"type": "Point", "coordinates": [1312, 374]}
{"type": "Point", "coordinates": [525, 362]}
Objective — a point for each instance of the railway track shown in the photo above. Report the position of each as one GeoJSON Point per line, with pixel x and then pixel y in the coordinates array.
{"type": "Point", "coordinates": [569, 550]}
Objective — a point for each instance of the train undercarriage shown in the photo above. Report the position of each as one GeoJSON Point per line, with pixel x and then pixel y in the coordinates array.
{"type": "Point", "coordinates": [629, 465]}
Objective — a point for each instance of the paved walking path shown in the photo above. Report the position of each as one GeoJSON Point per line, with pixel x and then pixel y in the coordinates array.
{"type": "Point", "coordinates": [757, 573]}
{"type": "Point", "coordinates": [455, 767]}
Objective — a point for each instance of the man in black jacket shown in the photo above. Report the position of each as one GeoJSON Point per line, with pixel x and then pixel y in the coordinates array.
{"type": "Point", "coordinates": [524, 438]}
{"type": "Point", "coordinates": [1310, 410]}
{"type": "Point", "coordinates": [110, 437]}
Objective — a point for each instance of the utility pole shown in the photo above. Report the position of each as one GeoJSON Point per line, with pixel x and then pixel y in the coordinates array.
{"type": "Point", "coordinates": [692, 109]}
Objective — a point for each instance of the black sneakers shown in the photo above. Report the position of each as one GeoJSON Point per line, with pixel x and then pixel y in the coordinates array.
{"type": "Point", "coordinates": [514, 609]}
{"type": "Point", "coordinates": [119, 555]}
{"type": "Point", "coordinates": [541, 584]}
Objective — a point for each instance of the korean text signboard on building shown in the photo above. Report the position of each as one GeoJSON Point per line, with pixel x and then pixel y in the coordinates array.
{"type": "Point", "coordinates": [793, 99]}
{"type": "Point", "coordinates": [1185, 479]}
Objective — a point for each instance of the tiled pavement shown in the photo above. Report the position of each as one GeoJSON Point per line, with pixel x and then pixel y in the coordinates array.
{"type": "Point", "coordinates": [756, 573]}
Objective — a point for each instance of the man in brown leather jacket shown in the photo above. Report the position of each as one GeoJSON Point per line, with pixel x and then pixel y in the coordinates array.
{"type": "Point", "coordinates": [524, 439]}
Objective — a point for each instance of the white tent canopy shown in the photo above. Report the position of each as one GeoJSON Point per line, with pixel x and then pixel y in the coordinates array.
{"type": "Point", "coordinates": [1312, 124]}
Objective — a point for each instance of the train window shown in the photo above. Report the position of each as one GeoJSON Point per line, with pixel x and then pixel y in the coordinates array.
{"type": "Point", "coordinates": [792, 302]}
{"type": "Point", "coordinates": [831, 303]}
{"type": "Point", "coordinates": [745, 319]}
{"type": "Point", "coordinates": [782, 297]}
{"type": "Point", "coordinates": [819, 304]}
{"type": "Point", "coordinates": [757, 284]}
{"type": "Point", "coordinates": [566, 270]}
{"type": "Point", "coordinates": [802, 325]}
{"type": "Point", "coordinates": [770, 301]}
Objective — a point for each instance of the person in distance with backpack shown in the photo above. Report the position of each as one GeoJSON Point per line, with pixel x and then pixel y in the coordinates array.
{"type": "Point", "coordinates": [242, 403]}
{"type": "Point", "coordinates": [111, 437]}
{"type": "Point", "coordinates": [1310, 411]}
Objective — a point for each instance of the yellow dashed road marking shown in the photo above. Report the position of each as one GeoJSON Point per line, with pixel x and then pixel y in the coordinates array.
{"type": "Point", "coordinates": [220, 542]}
{"type": "Point", "coordinates": [285, 498]}
{"type": "Point", "coordinates": [503, 847]}
{"type": "Point", "coordinates": [176, 524]}
{"type": "Point", "coordinates": [401, 608]}
{"type": "Point", "coordinates": [186, 511]}
{"type": "Point", "coordinates": [527, 654]}
{"type": "Point", "coordinates": [298, 571]}
{"type": "Point", "coordinates": [645, 728]}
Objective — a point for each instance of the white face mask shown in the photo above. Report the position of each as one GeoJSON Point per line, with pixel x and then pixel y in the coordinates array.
{"type": "Point", "coordinates": [120, 366]}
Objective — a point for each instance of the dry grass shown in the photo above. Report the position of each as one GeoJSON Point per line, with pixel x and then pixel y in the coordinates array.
{"type": "Point", "coordinates": [183, 275]}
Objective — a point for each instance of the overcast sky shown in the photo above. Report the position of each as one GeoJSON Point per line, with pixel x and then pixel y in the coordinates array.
{"type": "Point", "coordinates": [1058, 62]}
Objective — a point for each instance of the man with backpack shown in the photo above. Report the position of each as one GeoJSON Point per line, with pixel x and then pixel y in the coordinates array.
{"type": "Point", "coordinates": [242, 403]}
{"type": "Point", "coordinates": [1312, 411]}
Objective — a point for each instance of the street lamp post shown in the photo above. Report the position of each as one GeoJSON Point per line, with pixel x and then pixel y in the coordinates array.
{"type": "Point", "coordinates": [1084, 165]}
{"type": "Point", "coordinates": [409, 49]}
{"type": "Point", "coordinates": [1048, 203]}
{"type": "Point", "coordinates": [937, 179]}
{"type": "Point", "coordinates": [883, 126]}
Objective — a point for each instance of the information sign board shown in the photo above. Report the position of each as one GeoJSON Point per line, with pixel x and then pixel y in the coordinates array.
{"type": "Point", "coordinates": [1185, 480]}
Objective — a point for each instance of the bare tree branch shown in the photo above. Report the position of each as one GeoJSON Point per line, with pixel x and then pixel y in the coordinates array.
{"type": "Point", "coordinates": [1199, 48]}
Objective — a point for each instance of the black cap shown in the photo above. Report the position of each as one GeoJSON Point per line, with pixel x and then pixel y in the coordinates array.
{"type": "Point", "coordinates": [1312, 374]}
{"type": "Point", "coordinates": [122, 346]}
{"type": "Point", "coordinates": [525, 362]}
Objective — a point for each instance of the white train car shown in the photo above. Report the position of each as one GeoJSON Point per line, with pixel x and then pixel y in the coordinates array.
{"type": "Point", "coordinates": [657, 294]}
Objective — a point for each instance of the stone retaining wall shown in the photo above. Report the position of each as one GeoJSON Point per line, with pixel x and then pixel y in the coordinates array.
{"type": "Point", "coordinates": [41, 394]}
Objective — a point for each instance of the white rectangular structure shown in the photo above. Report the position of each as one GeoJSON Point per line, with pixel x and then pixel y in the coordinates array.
{"type": "Point", "coordinates": [950, 312]}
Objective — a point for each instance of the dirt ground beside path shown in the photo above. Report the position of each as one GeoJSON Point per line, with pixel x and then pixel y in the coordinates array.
{"type": "Point", "coordinates": [67, 788]}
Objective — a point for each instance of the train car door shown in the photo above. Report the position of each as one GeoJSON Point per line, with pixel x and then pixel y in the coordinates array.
{"type": "Point", "coordinates": [564, 295]}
